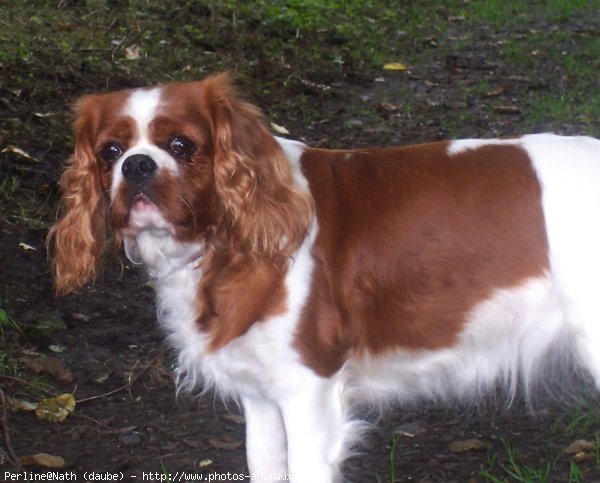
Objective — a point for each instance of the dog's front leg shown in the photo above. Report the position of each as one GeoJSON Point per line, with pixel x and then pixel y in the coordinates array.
{"type": "Point", "coordinates": [266, 446]}
{"type": "Point", "coordinates": [315, 427]}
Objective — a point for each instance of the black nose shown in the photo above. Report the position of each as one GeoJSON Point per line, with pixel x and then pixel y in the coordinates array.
{"type": "Point", "coordinates": [138, 167]}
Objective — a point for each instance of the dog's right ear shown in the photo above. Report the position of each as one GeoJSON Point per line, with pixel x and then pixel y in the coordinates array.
{"type": "Point", "coordinates": [266, 214]}
{"type": "Point", "coordinates": [76, 241]}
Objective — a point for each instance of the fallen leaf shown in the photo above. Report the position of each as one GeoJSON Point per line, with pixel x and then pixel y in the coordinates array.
{"type": "Point", "coordinates": [49, 365]}
{"type": "Point", "coordinates": [234, 418]}
{"type": "Point", "coordinates": [279, 129]}
{"type": "Point", "coordinates": [314, 85]}
{"type": "Point", "coordinates": [132, 53]}
{"type": "Point", "coordinates": [430, 41]}
{"type": "Point", "coordinates": [56, 409]}
{"type": "Point", "coordinates": [583, 456]}
{"type": "Point", "coordinates": [130, 438]}
{"type": "Point", "coordinates": [225, 443]}
{"type": "Point", "coordinates": [494, 93]}
{"type": "Point", "coordinates": [399, 66]}
{"type": "Point", "coordinates": [205, 463]}
{"type": "Point", "coordinates": [411, 429]}
{"type": "Point", "coordinates": [22, 405]}
{"type": "Point", "coordinates": [386, 107]}
{"type": "Point", "coordinates": [58, 348]}
{"type": "Point", "coordinates": [43, 459]}
{"type": "Point", "coordinates": [579, 445]}
{"type": "Point", "coordinates": [507, 110]}
{"type": "Point", "coordinates": [30, 352]}
{"type": "Point", "coordinates": [15, 150]}
{"type": "Point", "coordinates": [467, 445]}
{"type": "Point", "coordinates": [104, 377]}
{"type": "Point", "coordinates": [26, 247]}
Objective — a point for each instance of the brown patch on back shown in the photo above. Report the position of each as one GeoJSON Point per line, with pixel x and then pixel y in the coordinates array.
{"type": "Point", "coordinates": [410, 240]}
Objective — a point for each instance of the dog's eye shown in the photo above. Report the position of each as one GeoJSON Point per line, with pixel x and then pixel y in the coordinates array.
{"type": "Point", "coordinates": [111, 152]}
{"type": "Point", "coordinates": [181, 147]}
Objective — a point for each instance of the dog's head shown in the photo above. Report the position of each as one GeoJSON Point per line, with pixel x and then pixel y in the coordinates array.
{"type": "Point", "coordinates": [186, 162]}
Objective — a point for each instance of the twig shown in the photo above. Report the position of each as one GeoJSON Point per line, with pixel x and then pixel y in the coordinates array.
{"type": "Point", "coordinates": [130, 382]}
{"type": "Point", "coordinates": [27, 383]}
{"type": "Point", "coordinates": [106, 428]}
{"type": "Point", "coordinates": [12, 456]}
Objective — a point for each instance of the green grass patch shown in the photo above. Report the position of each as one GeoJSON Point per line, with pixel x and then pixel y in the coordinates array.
{"type": "Point", "coordinates": [500, 466]}
{"type": "Point", "coordinates": [50, 47]}
{"type": "Point", "coordinates": [577, 421]}
{"type": "Point", "coordinates": [501, 13]}
{"type": "Point", "coordinates": [7, 322]}
{"type": "Point", "coordinates": [507, 464]}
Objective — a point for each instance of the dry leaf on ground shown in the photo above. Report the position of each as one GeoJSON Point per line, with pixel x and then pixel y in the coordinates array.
{"type": "Point", "coordinates": [43, 459]}
{"type": "Point", "coordinates": [279, 129]}
{"type": "Point", "coordinates": [48, 365]}
{"type": "Point", "coordinates": [56, 409]}
{"type": "Point", "coordinates": [467, 445]}
{"type": "Point", "coordinates": [399, 66]}
{"type": "Point", "coordinates": [22, 405]}
{"type": "Point", "coordinates": [580, 445]}
{"type": "Point", "coordinates": [225, 443]}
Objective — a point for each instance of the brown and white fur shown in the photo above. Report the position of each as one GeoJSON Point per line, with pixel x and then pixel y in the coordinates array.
{"type": "Point", "coordinates": [303, 282]}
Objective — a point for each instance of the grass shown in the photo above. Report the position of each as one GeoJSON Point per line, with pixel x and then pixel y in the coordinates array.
{"type": "Point", "coordinates": [578, 420]}
{"type": "Point", "coordinates": [164, 472]}
{"type": "Point", "coordinates": [575, 473]}
{"type": "Point", "coordinates": [7, 322]}
{"type": "Point", "coordinates": [506, 466]}
{"type": "Point", "coordinates": [510, 466]}
{"type": "Point", "coordinates": [97, 47]}
{"type": "Point", "coordinates": [392, 458]}
{"type": "Point", "coordinates": [512, 12]}
{"type": "Point", "coordinates": [551, 464]}
{"type": "Point", "coordinates": [29, 209]}
{"type": "Point", "coordinates": [393, 455]}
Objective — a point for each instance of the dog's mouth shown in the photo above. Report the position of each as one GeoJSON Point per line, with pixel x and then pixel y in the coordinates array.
{"type": "Point", "coordinates": [141, 201]}
{"type": "Point", "coordinates": [144, 215]}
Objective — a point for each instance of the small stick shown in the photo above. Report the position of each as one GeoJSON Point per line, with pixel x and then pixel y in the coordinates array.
{"type": "Point", "coordinates": [13, 458]}
{"type": "Point", "coordinates": [27, 383]}
{"type": "Point", "coordinates": [130, 382]}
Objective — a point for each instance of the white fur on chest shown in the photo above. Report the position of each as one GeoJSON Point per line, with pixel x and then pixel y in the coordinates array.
{"type": "Point", "coordinates": [259, 363]}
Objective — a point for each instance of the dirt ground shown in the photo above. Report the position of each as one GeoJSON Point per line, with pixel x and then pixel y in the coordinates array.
{"type": "Point", "coordinates": [107, 335]}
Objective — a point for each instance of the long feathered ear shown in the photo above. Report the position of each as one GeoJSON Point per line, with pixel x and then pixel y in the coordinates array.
{"type": "Point", "coordinates": [76, 240]}
{"type": "Point", "coordinates": [266, 214]}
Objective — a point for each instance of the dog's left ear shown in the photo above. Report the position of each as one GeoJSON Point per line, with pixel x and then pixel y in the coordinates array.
{"type": "Point", "coordinates": [266, 214]}
{"type": "Point", "coordinates": [76, 241]}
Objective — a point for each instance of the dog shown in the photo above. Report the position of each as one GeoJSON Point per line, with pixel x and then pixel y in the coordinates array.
{"type": "Point", "coordinates": [304, 282]}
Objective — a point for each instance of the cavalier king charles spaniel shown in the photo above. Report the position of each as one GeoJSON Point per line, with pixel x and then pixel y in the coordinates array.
{"type": "Point", "coordinates": [305, 282]}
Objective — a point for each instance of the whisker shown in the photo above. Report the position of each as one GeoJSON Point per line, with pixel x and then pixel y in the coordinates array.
{"type": "Point", "coordinates": [190, 208]}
